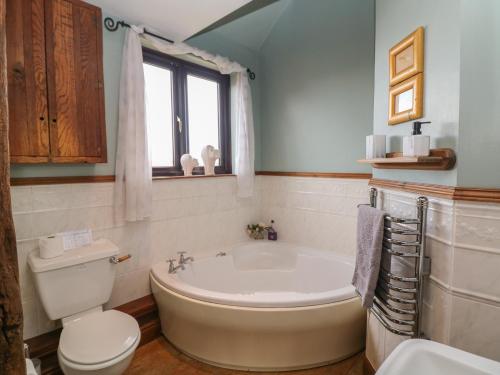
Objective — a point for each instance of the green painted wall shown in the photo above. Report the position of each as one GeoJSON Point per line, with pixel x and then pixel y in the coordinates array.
{"type": "Point", "coordinates": [395, 19]}
{"type": "Point", "coordinates": [216, 43]}
{"type": "Point", "coordinates": [479, 140]}
{"type": "Point", "coordinates": [317, 86]}
{"type": "Point", "coordinates": [461, 90]}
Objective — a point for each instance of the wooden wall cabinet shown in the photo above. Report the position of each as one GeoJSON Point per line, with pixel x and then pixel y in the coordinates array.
{"type": "Point", "coordinates": [55, 75]}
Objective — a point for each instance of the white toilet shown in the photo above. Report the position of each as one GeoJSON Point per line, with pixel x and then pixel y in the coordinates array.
{"type": "Point", "coordinates": [73, 287]}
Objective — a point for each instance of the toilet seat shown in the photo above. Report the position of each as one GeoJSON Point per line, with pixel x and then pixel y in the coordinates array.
{"type": "Point", "coordinates": [99, 339]}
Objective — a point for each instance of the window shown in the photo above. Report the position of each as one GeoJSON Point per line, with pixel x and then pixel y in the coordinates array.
{"type": "Point", "coordinates": [187, 108]}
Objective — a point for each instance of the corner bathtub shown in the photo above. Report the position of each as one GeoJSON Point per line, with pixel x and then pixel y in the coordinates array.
{"type": "Point", "coordinates": [264, 306]}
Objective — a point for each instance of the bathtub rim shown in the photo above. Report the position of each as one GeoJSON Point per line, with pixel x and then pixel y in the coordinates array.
{"type": "Point", "coordinates": [152, 277]}
{"type": "Point", "coordinates": [336, 294]}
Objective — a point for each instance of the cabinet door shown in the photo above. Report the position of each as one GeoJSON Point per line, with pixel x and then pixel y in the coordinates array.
{"type": "Point", "coordinates": [26, 69]}
{"type": "Point", "coordinates": [75, 82]}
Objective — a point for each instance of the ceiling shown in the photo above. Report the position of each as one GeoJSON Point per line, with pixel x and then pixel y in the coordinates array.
{"type": "Point", "coordinates": [173, 19]}
{"type": "Point", "coordinates": [251, 30]}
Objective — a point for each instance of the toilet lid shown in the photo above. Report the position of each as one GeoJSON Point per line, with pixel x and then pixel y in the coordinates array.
{"type": "Point", "coordinates": [98, 337]}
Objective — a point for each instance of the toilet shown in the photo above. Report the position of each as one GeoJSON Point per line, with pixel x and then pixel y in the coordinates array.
{"type": "Point", "coordinates": [73, 287]}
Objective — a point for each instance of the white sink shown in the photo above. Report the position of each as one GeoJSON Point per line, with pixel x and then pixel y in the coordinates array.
{"type": "Point", "coordinates": [417, 357]}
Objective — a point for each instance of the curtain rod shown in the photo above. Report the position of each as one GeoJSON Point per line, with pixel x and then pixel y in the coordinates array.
{"type": "Point", "coordinates": [112, 25]}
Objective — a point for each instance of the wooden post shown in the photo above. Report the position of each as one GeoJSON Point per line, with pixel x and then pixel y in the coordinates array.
{"type": "Point", "coordinates": [11, 313]}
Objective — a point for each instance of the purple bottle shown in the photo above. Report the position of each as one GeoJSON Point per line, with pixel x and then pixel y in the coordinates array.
{"type": "Point", "coordinates": [272, 235]}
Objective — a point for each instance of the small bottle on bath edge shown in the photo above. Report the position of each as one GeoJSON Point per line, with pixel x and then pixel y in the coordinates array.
{"type": "Point", "coordinates": [272, 235]}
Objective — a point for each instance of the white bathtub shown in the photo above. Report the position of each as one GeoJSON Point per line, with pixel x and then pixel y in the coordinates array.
{"type": "Point", "coordinates": [264, 306]}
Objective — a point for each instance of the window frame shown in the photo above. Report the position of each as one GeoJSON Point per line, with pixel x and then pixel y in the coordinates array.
{"type": "Point", "coordinates": [180, 70]}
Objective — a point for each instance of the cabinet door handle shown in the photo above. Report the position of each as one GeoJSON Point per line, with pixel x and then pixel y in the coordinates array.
{"type": "Point", "coordinates": [54, 120]}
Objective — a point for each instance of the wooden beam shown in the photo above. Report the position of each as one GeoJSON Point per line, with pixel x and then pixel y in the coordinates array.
{"type": "Point", "coordinates": [11, 313]}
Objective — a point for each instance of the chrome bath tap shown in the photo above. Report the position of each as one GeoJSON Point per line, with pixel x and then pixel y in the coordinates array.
{"type": "Point", "coordinates": [171, 267]}
{"type": "Point", "coordinates": [184, 260]}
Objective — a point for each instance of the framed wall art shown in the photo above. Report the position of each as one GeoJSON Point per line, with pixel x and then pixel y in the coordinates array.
{"type": "Point", "coordinates": [406, 100]}
{"type": "Point", "coordinates": [407, 57]}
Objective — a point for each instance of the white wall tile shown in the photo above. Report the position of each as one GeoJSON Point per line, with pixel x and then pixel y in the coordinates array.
{"type": "Point", "coordinates": [375, 341]}
{"type": "Point", "coordinates": [23, 224]}
{"type": "Point", "coordinates": [441, 255]}
{"type": "Point", "coordinates": [25, 274]}
{"type": "Point", "coordinates": [477, 272]}
{"type": "Point", "coordinates": [391, 341]}
{"type": "Point", "coordinates": [22, 199]}
{"type": "Point", "coordinates": [437, 311]}
{"type": "Point", "coordinates": [130, 286]}
{"type": "Point", "coordinates": [478, 226]}
{"type": "Point", "coordinates": [475, 328]}
{"type": "Point", "coordinates": [51, 197]}
{"type": "Point", "coordinates": [31, 327]}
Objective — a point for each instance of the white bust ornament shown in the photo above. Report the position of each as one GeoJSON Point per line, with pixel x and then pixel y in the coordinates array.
{"type": "Point", "coordinates": [209, 155]}
{"type": "Point", "coordinates": [188, 163]}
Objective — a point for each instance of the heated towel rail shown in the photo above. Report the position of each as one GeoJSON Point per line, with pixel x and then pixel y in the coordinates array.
{"type": "Point", "coordinates": [398, 298]}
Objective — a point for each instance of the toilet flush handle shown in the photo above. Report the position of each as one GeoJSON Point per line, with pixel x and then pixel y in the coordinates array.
{"type": "Point", "coordinates": [116, 260]}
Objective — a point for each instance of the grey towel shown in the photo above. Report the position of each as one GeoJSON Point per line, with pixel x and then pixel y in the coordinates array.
{"type": "Point", "coordinates": [369, 252]}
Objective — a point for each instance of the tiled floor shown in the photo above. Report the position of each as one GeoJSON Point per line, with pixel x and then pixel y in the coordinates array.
{"type": "Point", "coordinates": [159, 357]}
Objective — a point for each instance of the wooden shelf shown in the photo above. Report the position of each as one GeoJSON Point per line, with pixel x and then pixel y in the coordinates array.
{"type": "Point", "coordinates": [439, 159]}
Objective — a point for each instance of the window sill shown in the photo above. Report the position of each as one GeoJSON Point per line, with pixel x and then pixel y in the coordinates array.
{"type": "Point", "coordinates": [189, 177]}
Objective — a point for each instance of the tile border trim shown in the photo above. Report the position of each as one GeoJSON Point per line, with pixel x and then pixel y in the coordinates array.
{"type": "Point", "coordinates": [456, 193]}
{"type": "Point", "coordinates": [57, 180]}
{"type": "Point", "coordinates": [356, 176]}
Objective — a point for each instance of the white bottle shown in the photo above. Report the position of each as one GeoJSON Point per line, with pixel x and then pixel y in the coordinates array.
{"type": "Point", "coordinates": [417, 144]}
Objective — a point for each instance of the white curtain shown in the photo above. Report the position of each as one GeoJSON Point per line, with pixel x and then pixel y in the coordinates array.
{"type": "Point", "coordinates": [133, 187]}
{"type": "Point", "coordinates": [245, 151]}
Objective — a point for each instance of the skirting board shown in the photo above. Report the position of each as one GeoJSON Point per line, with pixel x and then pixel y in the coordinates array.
{"type": "Point", "coordinates": [144, 310]}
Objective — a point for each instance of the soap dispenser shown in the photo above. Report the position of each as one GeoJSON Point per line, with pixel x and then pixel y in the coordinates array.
{"type": "Point", "coordinates": [417, 144]}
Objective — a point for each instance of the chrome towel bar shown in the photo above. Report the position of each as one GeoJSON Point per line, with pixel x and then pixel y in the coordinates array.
{"type": "Point", "coordinates": [399, 295]}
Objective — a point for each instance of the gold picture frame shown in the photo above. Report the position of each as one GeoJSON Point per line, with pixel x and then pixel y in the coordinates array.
{"type": "Point", "coordinates": [406, 100]}
{"type": "Point", "coordinates": [407, 57]}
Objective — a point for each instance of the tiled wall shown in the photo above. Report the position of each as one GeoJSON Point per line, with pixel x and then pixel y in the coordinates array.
{"type": "Point", "coordinates": [198, 215]}
{"type": "Point", "coordinates": [316, 212]}
{"type": "Point", "coordinates": [462, 296]}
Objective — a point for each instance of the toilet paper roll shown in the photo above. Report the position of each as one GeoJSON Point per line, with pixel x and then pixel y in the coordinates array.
{"type": "Point", "coordinates": [51, 247]}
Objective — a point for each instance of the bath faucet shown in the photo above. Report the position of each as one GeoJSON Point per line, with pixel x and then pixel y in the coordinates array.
{"type": "Point", "coordinates": [221, 254]}
{"type": "Point", "coordinates": [183, 260]}
{"type": "Point", "coordinates": [172, 268]}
